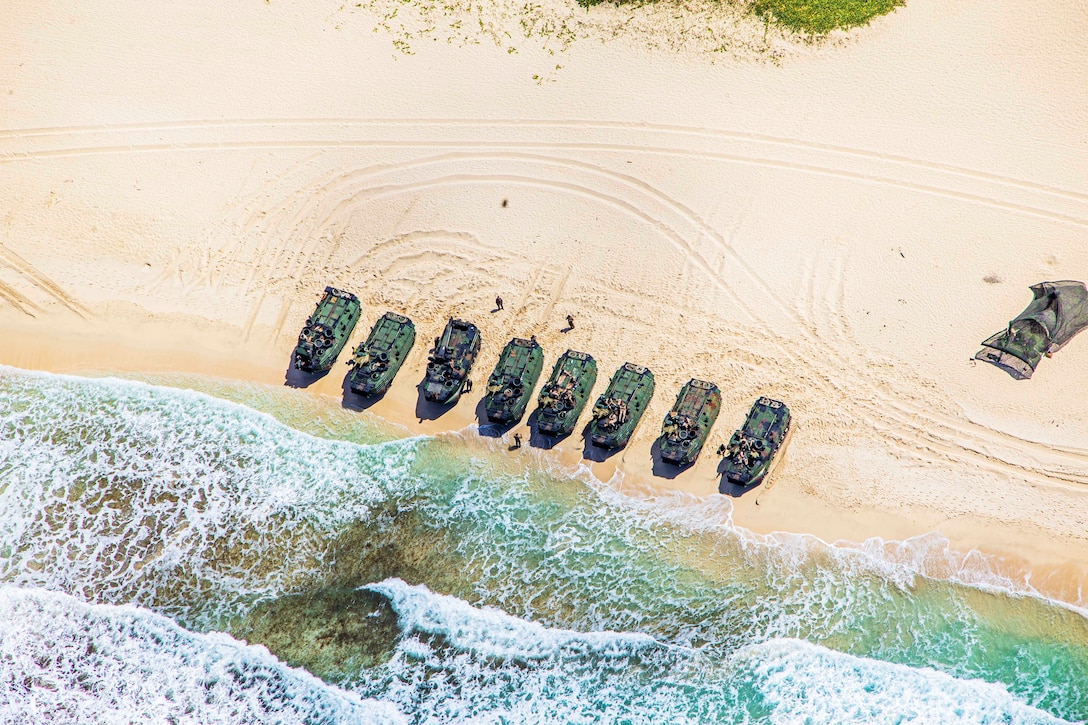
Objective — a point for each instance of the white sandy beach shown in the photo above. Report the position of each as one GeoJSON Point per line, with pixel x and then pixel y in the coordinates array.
{"type": "Point", "coordinates": [836, 226]}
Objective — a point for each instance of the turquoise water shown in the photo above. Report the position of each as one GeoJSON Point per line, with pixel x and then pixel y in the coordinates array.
{"type": "Point", "coordinates": [148, 533]}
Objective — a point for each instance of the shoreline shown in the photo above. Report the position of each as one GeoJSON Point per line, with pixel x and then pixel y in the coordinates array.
{"type": "Point", "coordinates": [1034, 563]}
{"type": "Point", "coordinates": [837, 232]}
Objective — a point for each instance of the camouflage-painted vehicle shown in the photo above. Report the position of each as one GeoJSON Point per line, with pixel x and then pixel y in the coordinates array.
{"type": "Point", "coordinates": [378, 359]}
{"type": "Point", "coordinates": [617, 411]}
{"type": "Point", "coordinates": [688, 424]}
{"type": "Point", "coordinates": [326, 331]}
{"type": "Point", "coordinates": [753, 449]}
{"type": "Point", "coordinates": [511, 383]}
{"type": "Point", "coordinates": [565, 393]}
{"type": "Point", "coordinates": [451, 361]}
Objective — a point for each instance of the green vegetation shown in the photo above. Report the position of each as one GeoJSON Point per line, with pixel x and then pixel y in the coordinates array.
{"type": "Point", "coordinates": [804, 16]}
{"type": "Point", "coordinates": [822, 16]}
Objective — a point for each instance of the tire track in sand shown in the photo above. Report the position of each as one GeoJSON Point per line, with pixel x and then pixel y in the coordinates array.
{"type": "Point", "coordinates": [925, 426]}
{"type": "Point", "coordinates": [885, 414]}
{"type": "Point", "coordinates": [608, 126]}
{"type": "Point", "coordinates": [39, 281]}
{"type": "Point", "coordinates": [1049, 202]}
{"type": "Point", "coordinates": [868, 166]}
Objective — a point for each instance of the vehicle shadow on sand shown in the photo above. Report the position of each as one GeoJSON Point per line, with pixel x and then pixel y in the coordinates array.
{"type": "Point", "coordinates": [354, 401]}
{"type": "Point", "coordinates": [734, 490]}
{"type": "Point", "coordinates": [663, 468]}
{"type": "Point", "coordinates": [488, 428]}
{"type": "Point", "coordinates": [542, 440]}
{"type": "Point", "coordinates": [594, 453]}
{"type": "Point", "coordinates": [295, 378]}
{"type": "Point", "coordinates": [427, 410]}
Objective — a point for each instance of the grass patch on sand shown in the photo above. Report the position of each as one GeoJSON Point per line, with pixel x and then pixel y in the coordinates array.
{"type": "Point", "coordinates": [816, 17]}
{"type": "Point", "coordinates": [822, 16]}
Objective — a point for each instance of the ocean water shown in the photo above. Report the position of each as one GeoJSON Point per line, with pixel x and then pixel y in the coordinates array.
{"type": "Point", "coordinates": [200, 551]}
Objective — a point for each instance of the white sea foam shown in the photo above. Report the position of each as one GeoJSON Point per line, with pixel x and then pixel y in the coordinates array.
{"type": "Point", "coordinates": [804, 682]}
{"type": "Point", "coordinates": [159, 496]}
{"type": "Point", "coordinates": [563, 676]}
{"type": "Point", "coordinates": [900, 562]}
{"type": "Point", "coordinates": [64, 661]}
{"type": "Point", "coordinates": [490, 632]}
{"type": "Point", "coordinates": [120, 491]}
{"type": "Point", "coordinates": [457, 663]}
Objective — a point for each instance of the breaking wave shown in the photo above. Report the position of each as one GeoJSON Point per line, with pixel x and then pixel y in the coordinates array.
{"type": "Point", "coordinates": [64, 661]}
{"type": "Point", "coordinates": [560, 600]}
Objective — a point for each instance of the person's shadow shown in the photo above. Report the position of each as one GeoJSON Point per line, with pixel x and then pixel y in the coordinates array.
{"type": "Point", "coordinates": [354, 401]}
{"type": "Point", "coordinates": [663, 468]}
{"type": "Point", "coordinates": [295, 378]}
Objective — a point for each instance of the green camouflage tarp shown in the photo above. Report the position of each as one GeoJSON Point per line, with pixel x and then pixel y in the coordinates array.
{"type": "Point", "coordinates": [1058, 312]}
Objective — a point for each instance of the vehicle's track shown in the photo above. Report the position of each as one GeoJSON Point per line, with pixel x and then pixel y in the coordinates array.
{"type": "Point", "coordinates": [918, 426]}
{"type": "Point", "coordinates": [43, 284]}
{"type": "Point", "coordinates": [541, 155]}
{"type": "Point", "coordinates": [1000, 191]}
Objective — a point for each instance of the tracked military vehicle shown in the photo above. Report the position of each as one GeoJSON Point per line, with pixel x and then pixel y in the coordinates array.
{"type": "Point", "coordinates": [752, 450]}
{"type": "Point", "coordinates": [619, 408]}
{"type": "Point", "coordinates": [688, 424]}
{"type": "Point", "coordinates": [565, 393]}
{"type": "Point", "coordinates": [377, 360]}
{"type": "Point", "coordinates": [511, 383]}
{"type": "Point", "coordinates": [326, 331]}
{"type": "Point", "coordinates": [451, 361]}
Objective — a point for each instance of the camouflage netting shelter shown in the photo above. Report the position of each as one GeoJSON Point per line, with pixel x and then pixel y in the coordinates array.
{"type": "Point", "coordinates": [1058, 312]}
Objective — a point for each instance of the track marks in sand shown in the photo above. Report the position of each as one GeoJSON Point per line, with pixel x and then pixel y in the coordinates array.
{"type": "Point", "coordinates": [788, 154]}
{"type": "Point", "coordinates": [550, 157]}
{"type": "Point", "coordinates": [920, 424]}
{"type": "Point", "coordinates": [13, 297]}
{"type": "Point", "coordinates": [23, 278]}
{"type": "Point", "coordinates": [876, 397]}
{"type": "Point", "coordinates": [456, 262]}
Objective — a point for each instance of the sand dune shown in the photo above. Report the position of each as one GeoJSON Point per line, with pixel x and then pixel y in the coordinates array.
{"type": "Point", "coordinates": [837, 229]}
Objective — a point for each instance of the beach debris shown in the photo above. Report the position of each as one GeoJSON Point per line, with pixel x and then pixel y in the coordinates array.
{"type": "Point", "coordinates": [511, 383]}
{"type": "Point", "coordinates": [753, 449]}
{"type": "Point", "coordinates": [687, 425]}
{"type": "Point", "coordinates": [451, 361]}
{"type": "Point", "coordinates": [565, 393]}
{"type": "Point", "coordinates": [378, 359]}
{"type": "Point", "coordinates": [326, 331]}
{"type": "Point", "coordinates": [1058, 311]}
{"type": "Point", "coordinates": [617, 411]}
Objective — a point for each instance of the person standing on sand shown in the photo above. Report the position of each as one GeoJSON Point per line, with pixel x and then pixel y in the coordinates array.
{"type": "Point", "coordinates": [570, 322]}
{"type": "Point", "coordinates": [517, 440]}
{"type": "Point", "coordinates": [498, 303]}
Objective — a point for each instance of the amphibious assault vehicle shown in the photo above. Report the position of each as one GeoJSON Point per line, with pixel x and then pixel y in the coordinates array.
{"type": "Point", "coordinates": [378, 360]}
{"type": "Point", "coordinates": [451, 361]}
{"type": "Point", "coordinates": [565, 394]}
{"type": "Point", "coordinates": [511, 383]}
{"type": "Point", "coordinates": [752, 450]}
{"type": "Point", "coordinates": [326, 331]}
{"type": "Point", "coordinates": [688, 424]}
{"type": "Point", "coordinates": [617, 411]}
